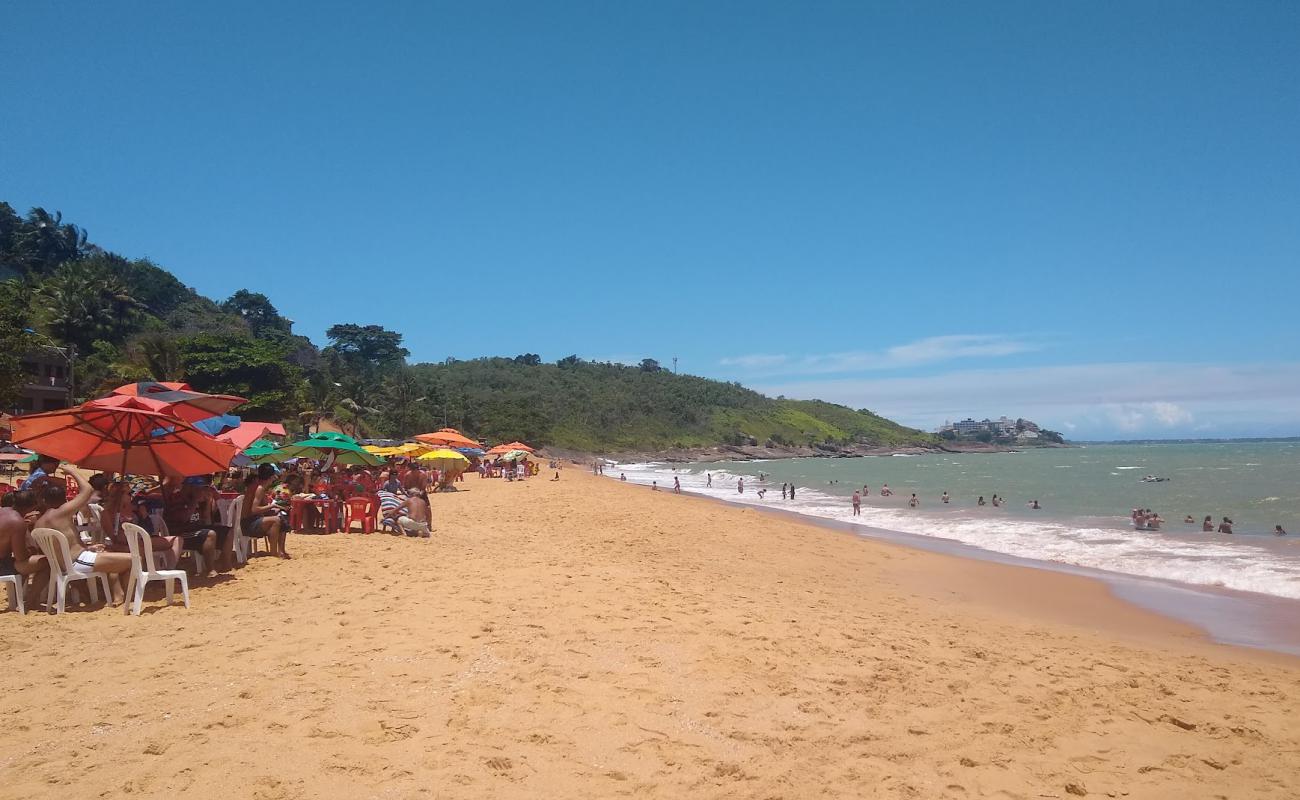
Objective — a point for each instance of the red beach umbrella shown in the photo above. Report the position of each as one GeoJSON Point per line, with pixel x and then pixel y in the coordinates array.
{"type": "Point", "coordinates": [187, 404]}
{"type": "Point", "coordinates": [117, 437]}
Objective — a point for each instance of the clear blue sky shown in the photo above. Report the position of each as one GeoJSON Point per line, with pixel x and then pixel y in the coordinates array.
{"type": "Point", "coordinates": [1087, 212]}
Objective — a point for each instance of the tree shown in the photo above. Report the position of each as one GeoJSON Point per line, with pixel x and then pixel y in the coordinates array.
{"type": "Point", "coordinates": [85, 301]}
{"type": "Point", "coordinates": [650, 365]}
{"type": "Point", "coordinates": [529, 360]}
{"type": "Point", "coordinates": [256, 309]}
{"type": "Point", "coordinates": [14, 342]}
{"type": "Point", "coordinates": [44, 241]}
{"type": "Point", "coordinates": [158, 355]}
{"type": "Point", "coordinates": [369, 344]}
{"type": "Point", "coordinates": [568, 361]}
{"type": "Point", "coordinates": [248, 367]}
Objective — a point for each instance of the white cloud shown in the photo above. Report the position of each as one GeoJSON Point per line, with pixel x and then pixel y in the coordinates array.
{"type": "Point", "coordinates": [1098, 400]}
{"type": "Point", "coordinates": [930, 350]}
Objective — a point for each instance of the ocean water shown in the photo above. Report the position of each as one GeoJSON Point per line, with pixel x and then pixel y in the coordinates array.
{"type": "Point", "coordinates": [1086, 494]}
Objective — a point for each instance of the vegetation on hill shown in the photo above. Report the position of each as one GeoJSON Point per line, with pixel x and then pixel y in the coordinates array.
{"type": "Point", "coordinates": [130, 320]}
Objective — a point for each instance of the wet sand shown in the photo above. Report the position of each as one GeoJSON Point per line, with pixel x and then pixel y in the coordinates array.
{"type": "Point", "coordinates": [591, 639]}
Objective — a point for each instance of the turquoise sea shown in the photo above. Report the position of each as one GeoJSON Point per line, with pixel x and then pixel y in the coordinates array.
{"type": "Point", "coordinates": [1086, 494]}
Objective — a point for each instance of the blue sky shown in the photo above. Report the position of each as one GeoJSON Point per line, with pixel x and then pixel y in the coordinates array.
{"type": "Point", "coordinates": [1086, 213]}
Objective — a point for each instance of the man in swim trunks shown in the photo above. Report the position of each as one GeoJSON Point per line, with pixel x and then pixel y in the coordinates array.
{"type": "Point", "coordinates": [857, 503]}
{"type": "Point", "coordinates": [261, 515]}
{"type": "Point", "coordinates": [60, 514]}
{"type": "Point", "coordinates": [16, 558]}
{"type": "Point", "coordinates": [418, 519]}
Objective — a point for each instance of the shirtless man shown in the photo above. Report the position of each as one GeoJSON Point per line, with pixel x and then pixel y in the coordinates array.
{"type": "Point", "coordinates": [418, 519]}
{"type": "Point", "coordinates": [15, 557]}
{"type": "Point", "coordinates": [61, 515]}
{"type": "Point", "coordinates": [261, 515]}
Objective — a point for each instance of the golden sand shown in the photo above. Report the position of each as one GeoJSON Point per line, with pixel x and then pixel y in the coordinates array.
{"type": "Point", "coordinates": [591, 639]}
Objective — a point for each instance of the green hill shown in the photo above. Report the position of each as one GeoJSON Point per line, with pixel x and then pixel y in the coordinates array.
{"type": "Point", "coordinates": [125, 320]}
{"type": "Point", "coordinates": [602, 407]}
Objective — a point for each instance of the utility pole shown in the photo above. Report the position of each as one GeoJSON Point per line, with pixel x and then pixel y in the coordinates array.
{"type": "Point", "coordinates": [674, 365]}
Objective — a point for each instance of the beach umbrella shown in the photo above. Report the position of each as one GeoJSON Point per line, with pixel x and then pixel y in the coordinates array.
{"type": "Point", "coordinates": [512, 455]}
{"type": "Point", "coordinates": [343, 450]}
{"type": "Point", "coordinates": [449, 461]}
{"type": "Point", "coordinates": [188, 404]}
{"type": "Point", "coordinates": [472, 452]}
{"type": "Point", "coordinates": [446, 437]}
{"type": "Point", "coordinates": [260, 448]}
{"type": "Point", "coordinates": [120, 437]}
{"type": "Point", "coordinates": [214, 426]}
{"type": "Point", "coordinates": [249, 432]}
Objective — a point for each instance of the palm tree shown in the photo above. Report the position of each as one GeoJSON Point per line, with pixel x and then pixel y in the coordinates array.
{"type": "Point", "coordinates": [158, 354]}
{"type": "Point", "coordinates": [46, 241]}
{"type": "Point", "coordinates": [84, 301]}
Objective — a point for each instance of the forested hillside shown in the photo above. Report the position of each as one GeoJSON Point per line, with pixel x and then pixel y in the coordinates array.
{"type": "Point", "coordinates": [129, 320]}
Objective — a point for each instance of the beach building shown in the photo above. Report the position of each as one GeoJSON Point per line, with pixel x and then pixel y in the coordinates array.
{"type": "Point", "coordinates": [49, 380]}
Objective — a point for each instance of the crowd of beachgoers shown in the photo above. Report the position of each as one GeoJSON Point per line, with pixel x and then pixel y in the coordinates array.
{"type": "Point", "coordinates": [212, 524]}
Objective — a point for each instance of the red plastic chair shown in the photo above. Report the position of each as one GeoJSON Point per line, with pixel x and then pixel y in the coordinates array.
{"type": "Point", "coordinates": [362, 510]}
{"type": "Point", "coordinates": [5, 489]}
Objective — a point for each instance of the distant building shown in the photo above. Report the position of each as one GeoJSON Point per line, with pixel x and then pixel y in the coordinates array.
{"type": "Point", "coordinates": [49, 381]}
{"type": "Point", "coordinates": [1002, 426]}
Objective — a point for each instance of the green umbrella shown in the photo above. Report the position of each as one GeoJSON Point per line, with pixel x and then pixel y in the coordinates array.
{"type": "Point", "coordinates": [260, 448]}
{"type": "Point", "coordinates": [513, 455]}
{"type": "Point", "coordinates": [344, 449]}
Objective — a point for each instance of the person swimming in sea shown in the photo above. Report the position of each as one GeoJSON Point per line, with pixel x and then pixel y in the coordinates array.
{"type": "Point", "coordinates": [915, 501]}
{"type": "Point", "coordinates": [944, 498]}
{"type": "Point", "coordinates": [1033, 504]}
{"type": "Point", "coordinates": [885, 491]}
{"type": "Point", "coordinates": [1189, 520]}
{"type": "Point", "coordinates": [1208, 525]}
{"type": "Point", "coordinates": [1277, 531]}
{"type": "Point", "coordinates": [1225, 526]}
{"type": "Point", "coordinates": [784, 490]}
{"type": "Point", "coordinates": [980, 502]}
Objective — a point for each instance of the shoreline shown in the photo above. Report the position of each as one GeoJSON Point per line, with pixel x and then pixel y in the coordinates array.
{"type": "Point", "coordinates": [1263, 626]}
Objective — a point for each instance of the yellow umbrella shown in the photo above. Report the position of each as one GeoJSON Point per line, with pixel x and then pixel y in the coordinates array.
{"type": "Point", "coordinates": [376, 450]}
{"type": "Point", "coordinates": [448, 461]}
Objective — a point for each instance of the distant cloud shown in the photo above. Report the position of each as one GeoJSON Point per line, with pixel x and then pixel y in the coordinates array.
{"type": "Point", "coordinates": [931, 350]}
{"type": "Point", "coordinates": [1085, 400]}
{"type": "Point", "coordinates": [1133, 417]}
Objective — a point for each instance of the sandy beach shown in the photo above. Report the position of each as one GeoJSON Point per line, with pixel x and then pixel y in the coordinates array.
{"type": "Point", "coordinates": [585, 638]}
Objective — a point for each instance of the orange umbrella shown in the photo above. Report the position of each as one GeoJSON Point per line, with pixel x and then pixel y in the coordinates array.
{"type": "Point", "coordinates": [506, 448]}
{"type": "Point", "coordinates": [119, 436]}
{"type": "Point", "coordinates": [448, 437]}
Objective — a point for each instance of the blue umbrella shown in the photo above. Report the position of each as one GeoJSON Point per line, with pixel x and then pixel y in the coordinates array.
{"type": "Point", "coordinates": [214, 426]}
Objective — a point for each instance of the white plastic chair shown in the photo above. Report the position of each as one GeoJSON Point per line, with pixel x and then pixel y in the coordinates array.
{"type": "Point", "coordinates": [143, 570]}
{"type": "Point", "coordinates": [230, 516]}
{"type": "Point", "coordinates": [160, 529]}
{"type": "Point", "coordinates": [88, 524]}
{"type": "Point", "coordinates": [15, 588]}
{"type": "Point", "coordinates": [59, 555]}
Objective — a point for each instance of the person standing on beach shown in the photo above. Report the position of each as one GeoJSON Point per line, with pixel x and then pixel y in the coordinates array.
{"type": "Point", "coordinates": [784, 488]}
{"type": "Point", "coordinates": [708, 476]}
{"type": "Point", "coordinates": [740, 486]}
{"type": "Point", "coordinates": [677, 485]}
{"type": "Point", "coordinates": [857, 503]}
{"type": "Point", "coordinates": [792, 491]}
